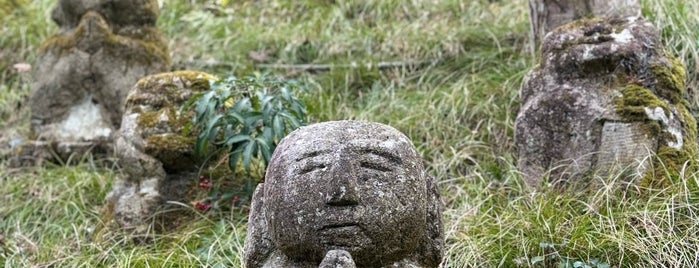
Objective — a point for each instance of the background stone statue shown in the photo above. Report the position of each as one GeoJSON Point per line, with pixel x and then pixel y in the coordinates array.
{"type": "Point", "coordinates": [605, 97]}
{"type": "Point", "coordinates": [157, 159]}
{"type": "Point", "coordinates": [85, 71]}
{"type": "Point", "coordinates": [345, 193]}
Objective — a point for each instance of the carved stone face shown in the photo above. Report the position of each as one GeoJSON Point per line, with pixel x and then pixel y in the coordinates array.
{"type": "Point", "coordinates": [354, 186]}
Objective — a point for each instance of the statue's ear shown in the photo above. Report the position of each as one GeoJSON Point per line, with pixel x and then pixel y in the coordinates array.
{"type": "Point", "coordinates": [258, 244]}
{"type": "Point", "coordinates": [431, 249]}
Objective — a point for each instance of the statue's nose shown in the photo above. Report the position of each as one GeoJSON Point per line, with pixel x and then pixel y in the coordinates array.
{"type": "Point", "coordinates": [342, 185]}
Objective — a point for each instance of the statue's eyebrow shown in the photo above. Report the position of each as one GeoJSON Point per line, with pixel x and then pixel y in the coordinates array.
{"type": "Point", "coordinates": [380, 151]}
{"type": "Point", "coordinates": [313, 153]}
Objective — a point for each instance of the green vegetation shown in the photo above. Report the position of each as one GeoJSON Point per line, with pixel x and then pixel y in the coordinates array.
{"type": "Point", "coordinates": [446, 73]}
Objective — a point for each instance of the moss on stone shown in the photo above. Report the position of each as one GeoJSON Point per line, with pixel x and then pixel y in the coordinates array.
{"type": "Point", "coordinates": [167, 89]}
{"type": "Point", "coordinates": [148, 119]}
{"type": "Point", "coordinates": [634, 100]}
{"type": "Point", "coordinates": [669, 80]}
{"type": "Point", "coordinates": [668, 94]}
{"type": "Point", "coordinates": [93, 32]}
{"type": "Point", "coordinates": [161, 96]}
{"type": "Point", "coordinates": [162, 145]}
{"type": "Point", "coordinates": [175, 122]}
{"type": "Point", "coordinates": [579, 23]}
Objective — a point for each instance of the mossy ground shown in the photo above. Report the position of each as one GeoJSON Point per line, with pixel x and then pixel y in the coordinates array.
{"type": "Point", "coordinates": [458, 107]}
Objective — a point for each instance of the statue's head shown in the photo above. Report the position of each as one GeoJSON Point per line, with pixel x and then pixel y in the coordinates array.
{"type": "Point", "coordinates": [589, 46]}
{"type": "Point", "coordinates": [353, 186]}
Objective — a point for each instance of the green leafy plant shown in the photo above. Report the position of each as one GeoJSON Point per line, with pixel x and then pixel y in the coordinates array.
{"type": "Point", "coordinates": [246, 117]}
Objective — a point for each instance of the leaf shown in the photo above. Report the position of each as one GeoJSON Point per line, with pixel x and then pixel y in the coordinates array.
{"type": "Point", "coordinates": [242, 105]}
{"type": "Point", "coordinates": [278, 127]}
{"type": "Point", "coordinates": [200, 145]}
{"type": "Point", "coordinates": [230, 141]}
{"type": "Point", "coordinates": [252, 118]}
{"type": "Point", "coordinates": [578, 264]}
{"type": "Point", "coordinates": [247, 155]}
{"type": "Point", "coordinates": [267, 134]}
{"type": "Point", "coordinates": [233, 157]}
{"type": "Point", "coordinates": [188, 104]}
{"type": "Point", "coordinates": [286, 94]}
{"type": "Point", "coordinates": [603, 265]}
{"type": "Point", "coordinates": [265, 149]}
{"type": "Point", "coordinates": [211, 125]}
{"type": "Point", "coordinates": [292, 120]}
{"type": "Point", "coordinates": [202, 106]}
{"type": "Point", "coordinates": [537, 259]}
{"type": "Point", "coordinates": [264, 99]}
{"type": "Point", "coordinates": [233, 116]}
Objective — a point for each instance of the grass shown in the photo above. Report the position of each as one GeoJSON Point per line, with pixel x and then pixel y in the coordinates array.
{"type": "Point", "coordinates": [458, 108]}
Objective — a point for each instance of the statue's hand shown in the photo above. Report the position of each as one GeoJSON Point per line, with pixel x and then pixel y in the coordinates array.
{"type": "Point", "coordinates": [337, 259]}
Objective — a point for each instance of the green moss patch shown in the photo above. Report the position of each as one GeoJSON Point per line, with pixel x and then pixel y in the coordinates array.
{"type": "Point", "coordinates": [667, 93]}
{"type": "Point", "coordinates": [168, 89]}
{"type": "Point", "coordinates": [669, 79]}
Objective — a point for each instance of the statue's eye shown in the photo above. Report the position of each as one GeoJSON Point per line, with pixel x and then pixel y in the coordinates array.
{"type": "Point", "coordinates": [375, 166]}
{"type": "Point", "coordinates": [310, 167]}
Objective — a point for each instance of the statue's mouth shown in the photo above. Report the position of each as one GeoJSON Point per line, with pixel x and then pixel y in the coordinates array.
{"type": "Point", "coordinates": [347, 236]}
{"type": "Point", "coordinates": [340, 225]}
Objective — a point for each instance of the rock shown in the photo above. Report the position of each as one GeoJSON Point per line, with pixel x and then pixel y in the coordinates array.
{"type": "Point", "coordinates": [84, 72]}
{"type": "Point", "coordinates": [157, 159]}
{"type": "Point", "coordinates": [605, 98]}
{"type": "Point", "coordinates": [344, 191]}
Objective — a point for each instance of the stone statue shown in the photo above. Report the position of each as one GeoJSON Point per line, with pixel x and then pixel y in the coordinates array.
{"type": "Point", "coordinates": [85, 71]}
{"type": "Point", "coordinates": [345, 194]}
{"type": "Point", "coordinates": [606, 98]}
{"type": "Point", "coordinates": [156, 157]}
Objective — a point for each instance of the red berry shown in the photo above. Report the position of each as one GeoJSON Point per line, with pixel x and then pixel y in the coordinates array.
{"type": "Point", "coordinates": [203, 206]}
{"type": "Point", "coordinates": [206, 184]}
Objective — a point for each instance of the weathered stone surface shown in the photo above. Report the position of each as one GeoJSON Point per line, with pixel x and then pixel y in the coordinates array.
{"type": "Point", "coordinates": [605, 96]}
{"type": "Point", "coordinates": [84, 72]}
{"type": "Point", "coordinates": [156, 158]}
{"type": "Point", "coordinates": [345, 192]}
{"type": "Point", "coordinates": [546, 15]}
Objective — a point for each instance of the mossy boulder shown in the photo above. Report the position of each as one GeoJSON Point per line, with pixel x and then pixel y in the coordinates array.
{"type": "Point", "coordinates": [85, 71]}
{"type": "Point", "coordinates": [606, 98]}
{"type": "Point", "coordinates": [155, 153]}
